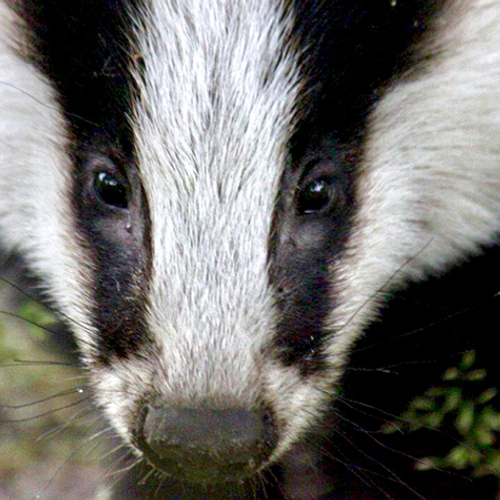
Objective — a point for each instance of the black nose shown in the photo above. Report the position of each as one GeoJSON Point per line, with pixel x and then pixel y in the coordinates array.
{"type": "Point", "coordinates": [205, 445]}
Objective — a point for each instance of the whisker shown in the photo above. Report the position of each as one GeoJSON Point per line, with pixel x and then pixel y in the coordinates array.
{"type": "Point", "coordinates": [78, 390]}
{"type": "Point", "coordinates": [44, 105]}
{"type": "Point", "coordinates": [44, 414]}
{"type": "Point", "coordinates": [37, 301]}
{"type": "Point", "coordinates": [28, 321]}
{"type": "Point", "coordinates": [65, 464]}
{"type": "Point", "coordinates": [392, 475]}
{"type": "Point", "coordinates": [379, 291]}
{"type": "Point", "coordinates": [60, 428]}
{"type": "Point", "coordinates": [30, 362]}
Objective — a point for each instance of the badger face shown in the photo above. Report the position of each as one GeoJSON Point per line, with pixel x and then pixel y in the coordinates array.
{"type": "Point", "coordinates": [220, 194]}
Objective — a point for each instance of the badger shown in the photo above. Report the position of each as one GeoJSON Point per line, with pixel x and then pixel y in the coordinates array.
{"type": "Point", "coordinates": [221, 198]}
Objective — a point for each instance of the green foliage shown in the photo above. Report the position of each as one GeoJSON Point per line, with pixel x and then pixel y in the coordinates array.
{"type": "Point", "coordinates": [463, 401]}
{"type": "Point", "coordinates": [41, 434]}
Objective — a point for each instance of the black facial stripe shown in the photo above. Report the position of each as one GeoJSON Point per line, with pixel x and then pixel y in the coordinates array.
{"type": "Point", "coordinates": [303, 247]}
{"type": "Point", "coordinates": [352, 52]}
{"type": "Point", "coordinates": [121, 246]}
{"type": "Point", "coordinates": [85, 48]}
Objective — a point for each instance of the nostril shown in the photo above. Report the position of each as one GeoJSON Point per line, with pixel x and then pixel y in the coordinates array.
{"type": "Point", "coordinates": [200, 444]}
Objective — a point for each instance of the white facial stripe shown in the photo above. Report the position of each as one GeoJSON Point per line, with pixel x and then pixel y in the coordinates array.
{"type": "Point", "coordinates": [35, 203]}
{"type": "Point", "coordinates": [429, 191]}
{"type": "Point", "coordinates": [211, 130]}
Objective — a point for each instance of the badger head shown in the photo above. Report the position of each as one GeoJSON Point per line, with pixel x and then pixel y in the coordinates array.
{"type": "Point", "coordinates": [220, 194]}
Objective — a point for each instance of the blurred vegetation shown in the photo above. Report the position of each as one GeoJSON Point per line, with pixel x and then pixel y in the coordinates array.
{"type": "Point", "coordinates": [461, 405]}
{"type": "Point", "coordinates": [43, 415]}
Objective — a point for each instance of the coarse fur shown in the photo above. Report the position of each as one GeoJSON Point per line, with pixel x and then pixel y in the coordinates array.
{"type": "Point", "coordinates": [212, 288]}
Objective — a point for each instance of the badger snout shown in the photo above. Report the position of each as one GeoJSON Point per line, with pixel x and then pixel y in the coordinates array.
{"type": "Point", "coordinates": [205, 445]}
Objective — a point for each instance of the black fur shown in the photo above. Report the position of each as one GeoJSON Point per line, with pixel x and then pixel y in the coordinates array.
{"type": "Point", "coordinates": [85, 49]}
{"type": "Point", "coordinates": [352, 52]}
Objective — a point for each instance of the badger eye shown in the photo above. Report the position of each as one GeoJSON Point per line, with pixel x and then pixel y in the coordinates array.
{"type": "Point", "coordinates": [316, 196]}
{"type": "Point", "coordinates": [112, 189]}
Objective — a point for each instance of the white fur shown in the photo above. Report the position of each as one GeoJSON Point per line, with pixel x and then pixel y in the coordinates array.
{"type": "Point", "coordinates": [430, 186]}
{"type": "Point", "coordinates": [35, 213]}
{"type": "Point", "coordinates": [211, 130]}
